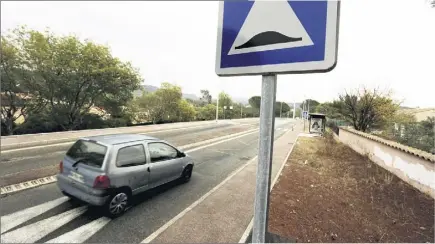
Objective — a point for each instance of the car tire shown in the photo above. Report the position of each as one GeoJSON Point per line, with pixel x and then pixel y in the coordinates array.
{"type": "Point", "coordinates": [117, 204]}
{"type": "Point", "coordinates": [187, 174]}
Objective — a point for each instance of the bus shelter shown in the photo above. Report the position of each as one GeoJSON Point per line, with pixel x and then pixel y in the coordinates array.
{"type": "Point", "coordinates": [317, 123]}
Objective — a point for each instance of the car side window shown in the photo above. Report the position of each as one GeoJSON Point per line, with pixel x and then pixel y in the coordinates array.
{"type": "Point", "coordinates": [161, 152]}
{"type": "Point", "coordinates": [131, 156]}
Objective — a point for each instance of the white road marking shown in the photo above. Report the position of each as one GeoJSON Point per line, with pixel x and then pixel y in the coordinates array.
{"type": "Point", "coordinates": [14, 219]}
{"type": "Point", "coordinates": [33, 232]}
{"type": "Point", "coordinates": [247, 232]}
{"type": "Point", "coordinates": [209, 145]}
{"type": "Point", "coordinates": [245, 235]}
{"type": "Point", "coordinates": [82, 233]}
{"type": "Point", "coordinates": [73, 139]}
{"type": "Point", "coordinates": [181, 214]}
{"type": "Point", "coordinates": [244, 143]}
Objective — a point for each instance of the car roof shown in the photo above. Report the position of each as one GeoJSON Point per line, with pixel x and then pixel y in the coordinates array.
{"type": "Point", "coordinates": [120, 138]}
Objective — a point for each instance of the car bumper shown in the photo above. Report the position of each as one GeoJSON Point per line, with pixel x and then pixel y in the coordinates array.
{"type": "Point", "coordinates": [87, 194]}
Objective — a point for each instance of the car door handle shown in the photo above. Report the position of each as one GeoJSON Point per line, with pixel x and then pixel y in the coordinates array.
{"type": "Point", "coordinates": [148, 169]}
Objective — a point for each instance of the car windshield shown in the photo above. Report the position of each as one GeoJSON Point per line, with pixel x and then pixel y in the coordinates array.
{"type": "Point", "coordinates": [88, 152]}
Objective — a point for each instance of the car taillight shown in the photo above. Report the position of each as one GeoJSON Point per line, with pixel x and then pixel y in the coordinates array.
{"type": "Point", "coordinates": [102, 181]}
{"type": "Point", "coordinates": [61, 167]}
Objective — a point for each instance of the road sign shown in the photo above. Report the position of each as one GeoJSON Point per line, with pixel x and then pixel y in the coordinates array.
{"type": "Point", "coordinates": [263, 37]}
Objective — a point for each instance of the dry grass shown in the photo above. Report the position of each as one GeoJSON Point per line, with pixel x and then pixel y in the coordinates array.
{"type": "Point", "coordinates": [331, 193]}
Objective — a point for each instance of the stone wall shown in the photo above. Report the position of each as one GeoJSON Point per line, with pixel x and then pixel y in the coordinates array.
{"type": "Point", "coordinates": [411, 165]}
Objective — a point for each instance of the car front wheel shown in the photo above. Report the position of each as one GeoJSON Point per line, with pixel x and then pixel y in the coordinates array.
{"type": "Point", "coordinates": [187, 174]}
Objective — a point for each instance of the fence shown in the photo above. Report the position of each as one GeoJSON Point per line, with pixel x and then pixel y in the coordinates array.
{"type": "Point", "coordinates": [334, 124]}
{"type": "Point", "coordinates": [420, 135]}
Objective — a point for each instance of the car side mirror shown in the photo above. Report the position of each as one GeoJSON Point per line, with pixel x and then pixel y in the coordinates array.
{"type": "Point", "coordinates": [181, 154]}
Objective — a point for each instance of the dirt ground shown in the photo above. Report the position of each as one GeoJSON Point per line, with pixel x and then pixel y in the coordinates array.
{"type": "Point", "coordinates": [329, 193]}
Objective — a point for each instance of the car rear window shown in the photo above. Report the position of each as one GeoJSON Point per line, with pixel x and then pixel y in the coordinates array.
{"type": "Point", "coordinates": [88, 152]}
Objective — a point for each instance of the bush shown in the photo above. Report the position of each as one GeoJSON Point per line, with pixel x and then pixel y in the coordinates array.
{"type": "Point", "coordinates": [117, 122]}
{"type": "Point", "coordinates": [37, 123]}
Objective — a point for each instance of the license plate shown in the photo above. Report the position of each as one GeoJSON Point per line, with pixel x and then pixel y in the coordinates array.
{"type": "Point", "coordinates": [77, 177]}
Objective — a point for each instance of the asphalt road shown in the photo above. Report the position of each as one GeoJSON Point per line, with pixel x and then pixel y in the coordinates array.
{"type": "Point", "coordinates": [30, 159]}
{"type": "Point", "coordinates": [150, 210]}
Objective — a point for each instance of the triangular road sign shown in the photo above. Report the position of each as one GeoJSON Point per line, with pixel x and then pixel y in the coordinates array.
{"type": "Point", "coordinates": [270, 25]}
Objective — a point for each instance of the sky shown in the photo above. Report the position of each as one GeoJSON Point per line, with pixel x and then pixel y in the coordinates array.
{"type": "Point", "coordinates": [388, 44]}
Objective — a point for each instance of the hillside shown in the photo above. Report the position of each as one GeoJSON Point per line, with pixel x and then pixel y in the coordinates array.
{"type": "Point", "coordinates": [419, 113]}
{"type": "Point", "coordinates": [150, 88]}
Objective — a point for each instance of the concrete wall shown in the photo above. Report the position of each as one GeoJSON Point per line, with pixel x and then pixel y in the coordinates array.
{"type": "Point", "coordinates": [411, 165]}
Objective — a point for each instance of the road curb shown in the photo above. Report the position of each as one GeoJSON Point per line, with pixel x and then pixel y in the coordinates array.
{"type": "Point", "coordinates": [28, 184]}
{"type": "Point", "coordinates": [248, 231]}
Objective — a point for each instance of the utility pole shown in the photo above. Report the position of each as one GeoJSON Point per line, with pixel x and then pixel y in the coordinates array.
{"type": "Point", "coordinates": [294, 110]}
{"type": "Point", "coordinates": [303, 112]}
{"type": "Point", "coordinates": [241, 111]}
{"type": "Point", "coordinates": [217, 107]}
{"type": "Point", "coordinates": [280, 111]}
{"type": "Point", "coordinates": [308, 102]}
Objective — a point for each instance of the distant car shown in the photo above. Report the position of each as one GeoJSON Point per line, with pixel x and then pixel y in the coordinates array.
{"type": "Point", "coordinates": [108, 170]}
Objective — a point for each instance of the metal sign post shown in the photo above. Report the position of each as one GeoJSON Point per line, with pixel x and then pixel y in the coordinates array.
{"type": "Point", "coordinates": [252, 42]}
{"type": "Point", "coordinates": [265, 153]}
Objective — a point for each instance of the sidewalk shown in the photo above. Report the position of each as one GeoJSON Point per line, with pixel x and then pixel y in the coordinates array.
{"type": "Point", "coordinates": [224, 214]}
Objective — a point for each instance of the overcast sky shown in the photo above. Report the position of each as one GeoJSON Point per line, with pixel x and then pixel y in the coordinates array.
{"type": "Point", "coordinates": [383, 43]}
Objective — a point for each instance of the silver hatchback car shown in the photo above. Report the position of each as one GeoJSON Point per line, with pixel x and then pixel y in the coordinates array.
{"type": "Point", "coordinates": [108, 170]}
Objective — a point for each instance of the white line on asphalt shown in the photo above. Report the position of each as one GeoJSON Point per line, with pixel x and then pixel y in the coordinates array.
{"type": "Point", "coordinates": [181, 214]}
{"type": "Point", "coordinates": [36, 147]}
{"type": "Point", "coordinates": [82, 233]}
{"type": "Point", "coordinates": [33, 232]}
{"type": "Point", "coordinates": [75, 138]}
{"type": "Point", "coordinates": [12, 220]}
{"type": "Point", "coordinates": [247, 232]}
{"type": "Point", "coordinates": [245, 235]}
{"type": "Point", "coordinates": [17, 159]}
{"type": "Point", "coordinates": [229, 139]}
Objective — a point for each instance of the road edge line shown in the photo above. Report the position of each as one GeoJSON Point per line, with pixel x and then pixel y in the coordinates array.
{"type": "Point", "coordinates": [248, 229]}
{"type": "Point", "coordinates": [193, 205]}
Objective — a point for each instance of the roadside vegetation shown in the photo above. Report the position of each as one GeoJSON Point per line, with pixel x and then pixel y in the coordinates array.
{"type": "Point", "coordinates": [330, 193]}
{"type": "Point", "coordinates": [54, 83]}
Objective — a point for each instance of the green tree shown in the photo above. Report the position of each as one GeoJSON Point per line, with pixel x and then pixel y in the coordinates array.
{"type": "Point", "coordinates": [312, 104]}
{"type": "Point", "coordinates": [186, 111]}
{"type": "Point", "coordinates": [255, 103]}
{"type": "Point", "coordinates": [206, 97]}
{"type": "Point", "coordinates": [169, 96]}
{"type": "Point", "coordinates": [208, 112]}
{"type": "Point", "coordinates": [366, 108]}
{"type": "Point", "coordinates": [225, 100]}
{"type": "Point", "coordinates": [163, 104]}
{"type": "Point", "coordinates": [73, 75]}
{"type": "Point", "coordinates": [285, 109]}
{"type": "Point", "coordinates": [329, 109]}
{"type": "Point", "coordinates": [16, 101]}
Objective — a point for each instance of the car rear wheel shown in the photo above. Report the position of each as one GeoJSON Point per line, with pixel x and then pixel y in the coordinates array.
{"type": "Point", "coordinates": [117, 204]}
